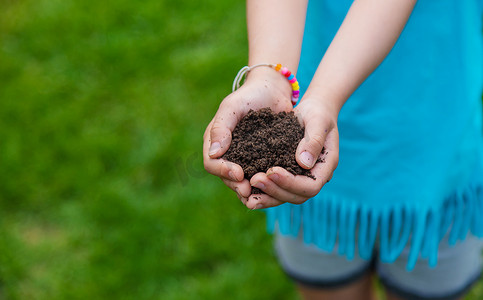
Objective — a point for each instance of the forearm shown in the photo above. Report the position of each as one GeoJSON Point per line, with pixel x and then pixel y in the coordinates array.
{"type": "Point", "coordinates": [368, 33]}
{"type": "Point", "coordinates": [275, 31]}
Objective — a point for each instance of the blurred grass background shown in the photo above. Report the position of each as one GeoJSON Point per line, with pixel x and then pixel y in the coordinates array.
{"type": "Point", "coordinates": [102, 191]}
{"type": "Point", "coordinates": [103, 195]}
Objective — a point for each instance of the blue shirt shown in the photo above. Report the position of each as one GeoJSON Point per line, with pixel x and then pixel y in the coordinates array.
{"type": "Point", "coordinates": [411, 144]}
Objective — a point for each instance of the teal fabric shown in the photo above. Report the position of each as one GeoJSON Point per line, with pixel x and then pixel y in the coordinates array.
{"type": "Point", "coordinates": [411, 145]}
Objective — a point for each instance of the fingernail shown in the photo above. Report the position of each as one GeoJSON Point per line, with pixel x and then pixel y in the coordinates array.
{"type": "Point", "coordinates": [232, 176]}
{"type": "Point", "coordinates": [259, 185]}
{"type": "Point", "coordinates": [214, 148]}
{"type": "Point", "coordinates": [307, 159]}
{"type": "Point", "coordinates": [273, 177]}
{"type": "Point", "coordinates": [259, 206]}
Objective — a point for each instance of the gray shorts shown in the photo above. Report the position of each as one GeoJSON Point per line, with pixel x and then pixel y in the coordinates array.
{"type": "Point", "coordinates": [458, 267]}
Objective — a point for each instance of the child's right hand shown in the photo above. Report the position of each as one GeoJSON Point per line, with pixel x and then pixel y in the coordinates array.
{"type": "Point", "coordinates": [263, 88]}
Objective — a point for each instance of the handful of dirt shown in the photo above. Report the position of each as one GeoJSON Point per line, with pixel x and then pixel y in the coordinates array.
{"type": "Point", "coordinates": [264, 139]}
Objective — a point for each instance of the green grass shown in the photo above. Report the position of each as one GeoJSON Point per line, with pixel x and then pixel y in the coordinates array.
{"type": "Point", "coordinates": [103, 195]}
{"type": "Point", "coordinates": [102, 191]}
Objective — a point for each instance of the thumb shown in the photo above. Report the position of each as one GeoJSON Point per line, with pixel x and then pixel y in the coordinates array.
{"type": "Point", "coordinates": [311, 145]}
{"type": "Point", "coordinates": [220, 132]}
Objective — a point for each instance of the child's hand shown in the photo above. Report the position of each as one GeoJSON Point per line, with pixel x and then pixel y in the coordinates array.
{"type": "Point", "coordinates": [281, 186]}
{"type": "Point", "coordinates": [263, 88]}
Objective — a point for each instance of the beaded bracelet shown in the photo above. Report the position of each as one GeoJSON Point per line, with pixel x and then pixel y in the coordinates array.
{"type": "Point", "coordinates": [278, 67]}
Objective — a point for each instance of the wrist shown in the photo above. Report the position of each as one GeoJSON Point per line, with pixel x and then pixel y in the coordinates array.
{"type": "Point", "coordinates": [271, 80]}
{"type": "Point", "coordinates": [330, 101]}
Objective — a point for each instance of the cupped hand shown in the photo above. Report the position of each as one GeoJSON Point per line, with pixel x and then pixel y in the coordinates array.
{"type": "Point", "coordinates": [263, 88]}
{"type": "Point", "coordinates": [279, 185]}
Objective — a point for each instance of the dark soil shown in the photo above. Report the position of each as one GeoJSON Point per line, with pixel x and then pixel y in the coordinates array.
{"type": "Point", "coordinates": [264, 139]}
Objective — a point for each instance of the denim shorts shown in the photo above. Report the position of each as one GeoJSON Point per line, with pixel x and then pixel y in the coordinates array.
{"type": "Point", "coordinates": [459, 266]}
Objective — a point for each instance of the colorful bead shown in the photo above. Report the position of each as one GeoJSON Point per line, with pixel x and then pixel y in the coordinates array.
{"type": "Point", "coordinates": [278, 67]}
{"type": "Point", "coordinates": [293, 81]}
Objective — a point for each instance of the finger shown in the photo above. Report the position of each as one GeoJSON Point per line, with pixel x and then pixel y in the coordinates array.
{"type": "Point", "coordinates": [225, 169]}
{"type": "Point", "coordinates": [220, 167]}
{"type": "Point", "coordinates": [311, 145]}
{"type": "Point", "coordinates": [223, 125]}
{"type": "Point", "coordinates": [329, 158]}
{"type": "Point", "coordinates": [298, 184]}
{"type": "Point", "coordinates": [262, 182]}
{"type": "Point", "coordinates": [322, 171]}
{"type": "Point", "coordinates": [259, 201]}
{"type": "Point", "coordinates": [243, 188]}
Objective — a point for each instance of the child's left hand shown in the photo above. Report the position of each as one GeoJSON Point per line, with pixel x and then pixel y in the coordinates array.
{"type": "Point", "coordinates": [279, 185]}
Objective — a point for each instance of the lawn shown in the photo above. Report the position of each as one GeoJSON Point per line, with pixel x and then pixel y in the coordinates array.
{"type": "Point", "coordinates": [103, 195]}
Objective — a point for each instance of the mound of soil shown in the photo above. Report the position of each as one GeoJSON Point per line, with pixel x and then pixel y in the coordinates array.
{"type": "Point", "coordinates": [264, 139]}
